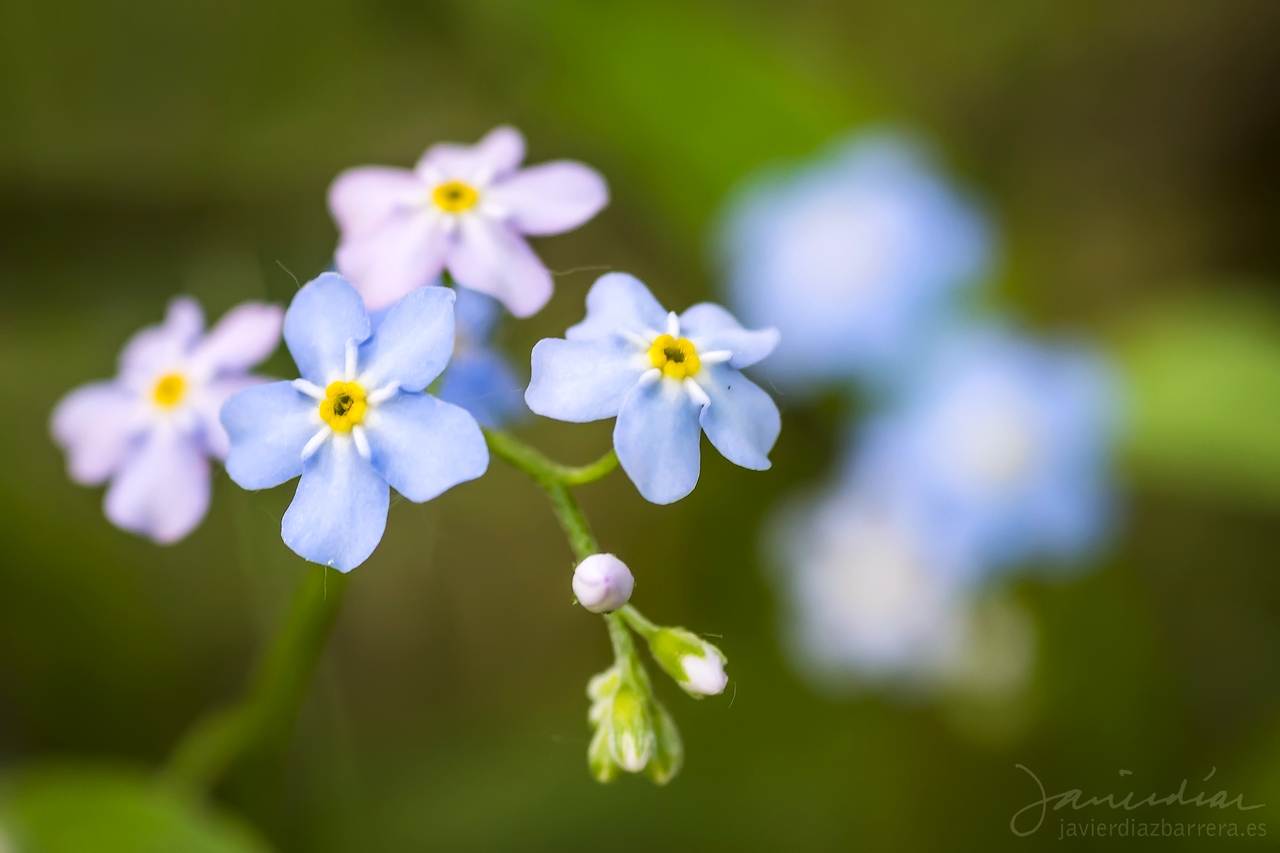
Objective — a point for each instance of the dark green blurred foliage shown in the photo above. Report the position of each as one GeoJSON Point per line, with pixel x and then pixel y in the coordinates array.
{"type": "Point", "coordinates": [1128, 150]}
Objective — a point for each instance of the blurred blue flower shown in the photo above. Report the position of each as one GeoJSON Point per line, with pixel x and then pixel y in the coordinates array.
{"type": "Point", "coordinates": [151, 430]}
{"type": "Point", "coordinates": [869, 598]}
{"type": "Point", "coordinates": [854, 258]}
{"type": "Point", "coordinates": [478, 377]}
{"type": "Point", "coordinates": [631, 360]}
{"type": "Point", "coordinates": [1003, 445]}
{"type": "Point", "coordinates": [356, 422]}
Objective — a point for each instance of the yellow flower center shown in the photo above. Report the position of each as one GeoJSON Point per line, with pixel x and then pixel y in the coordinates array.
{"type": "Point", "coordinates": [343, 406]}
{"type": "Point", "coordinates": [455, 196]}
{"type": "Point", "coordinates": [675, 358]}
{"type": "Point", "coordinates": [169, 390]}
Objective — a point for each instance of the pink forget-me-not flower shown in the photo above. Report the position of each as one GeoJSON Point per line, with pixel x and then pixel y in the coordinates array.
{"type": "Point", "coordinates": [357, 422]}
{"type": "Point", "coordinates": [666, 378]}
{"type": "Point", "coordinates": [465, 209]}
{"type": "Point", "coordinates": [152, 429]}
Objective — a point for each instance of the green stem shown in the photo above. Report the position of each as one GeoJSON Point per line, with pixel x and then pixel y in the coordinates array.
{"type": "Point", "coordinates": [268, 712]}
{"type": "Point", "coordinates": [556, 479]}
{"type": "Point", "coordinates": [637, 621]}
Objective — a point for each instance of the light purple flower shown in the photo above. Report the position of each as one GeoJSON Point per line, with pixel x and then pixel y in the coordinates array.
{"type": "Point", "coordinates": [465, 209]}
{"type": "Point", "coordinates": [152, 429]}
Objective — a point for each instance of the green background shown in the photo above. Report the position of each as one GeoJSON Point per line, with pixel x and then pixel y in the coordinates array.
{"type": "Point", "coordinates": [1127, 151]}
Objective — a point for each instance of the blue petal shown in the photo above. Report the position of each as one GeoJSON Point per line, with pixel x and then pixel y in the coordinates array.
{"type": "Point", "coordinates": [423, 446]}
{"type": "Point", "coordinates": [711, 328]}
{"type": "Point", "coordinates": [618, 302]}
{"type": "Point", "coordinates": [268, 426]}
{"type": "Point", "coordinates": [475, 315]}
{"type": "Point", "coordinates": [340, 510]}
{"type": "Point", "coordinates": [656, 437]}
{"type": "Point", "coordinates": [481, 381]}
{"type": "Point", "coordinates": [580, 381]}
{"type": "Point", "coordinates": [742, 421]}
{"type": "Point", "coordinates": [325, 314]}
{"type": "Point", "coordinates": [413, 343]}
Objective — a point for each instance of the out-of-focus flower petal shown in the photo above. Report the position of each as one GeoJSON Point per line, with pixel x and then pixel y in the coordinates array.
{"type": "Point", "coordinates": [474, 316]}
{"type": "Point", "coordinates": [491, 258]}
{"type": "Point", "coordinates": [619, 303]}
{"type": "Point", "coordinates": [481, 381]}
{"type": "Point", "coordinates": [364, 199]}
{"type": "Point", "coordinates": [742, 421]}
{"type": "Point", "coordinates": [207, 404]}
{"type": "Point", "coordinates": [162, 489]}
{"type": "Point", "coordinates": [551, 197]}
{"type": "Point", "coordinates": [268, 426]}
{"type": "Point", "coordinates": [579, 381]}
{"type": "Point", "coordinates": [406, 253]}
{"type": "Point", "coordinates": [340, 510]}
{"type": "Point", "coordinates": [711, 328]}
{"type": "Point", "coordinates": [96, 425]}
{"type": "Point", "coordinates": [656, 438]}
{"type": "Point", "coordinates": [163, 347]}
{"type": "Point", "coordinates": [423, 446]}
{"type": "Point", "coordinates": [856, 258]}
{"type": "Point", "coordinates": [497, 155]}
{"type": "Point", "coordinates": [325, 314]}
{"type": "Point", "coordinates": [244, 336]}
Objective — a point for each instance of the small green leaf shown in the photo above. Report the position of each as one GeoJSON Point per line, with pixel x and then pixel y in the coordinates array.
{"type": "Point", "coordinates": [69, 808]}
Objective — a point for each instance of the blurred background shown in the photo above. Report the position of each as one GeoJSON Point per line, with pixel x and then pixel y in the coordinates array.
{"type": "Point", "coordinates": [1124, 155]}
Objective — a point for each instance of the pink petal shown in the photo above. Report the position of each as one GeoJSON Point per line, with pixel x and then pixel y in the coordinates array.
{"type": "Point", "coordinates": [493, 259]}
{"type": "Point", "coordinates": [156, 348]}
{"type": "Point", "coordinates": [551, 197]}
{"type": "Point", "coordinates": [402, 255]}
{"type": "Point", "coordinates": [496, 156]}
{"type": "Point", "coordinates": [208, 405]}
{"type": "Point", "coordinates": [363, 200]}
{"type": "Point", "coordinates": [162, 490]}
{"type": "Point", "coordinates": [97, 425]}
{"type": "Point", "coordinates": [244, 336]}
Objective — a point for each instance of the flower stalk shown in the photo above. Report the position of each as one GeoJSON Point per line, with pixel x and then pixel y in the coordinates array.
{"type": "Point", "coordinates": [267, 713]}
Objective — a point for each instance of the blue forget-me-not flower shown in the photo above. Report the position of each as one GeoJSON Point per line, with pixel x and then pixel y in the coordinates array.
{"type": "Point", "coordinates": [666, 378]}
{"type": "Point", "coordinates": [1004, 445]}
{"type": "Point", "coordinates": [357, 422]}
{"type": "Point", "coordinates": [478, 377]}
{"type": "Point", "coordinates": [855, 258]}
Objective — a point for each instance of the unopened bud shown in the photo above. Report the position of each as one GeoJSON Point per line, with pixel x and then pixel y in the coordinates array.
{"type": "Point", "coordinates": [669, 754]}
{"type": "Point", "coordinates": [602, 583]}
{"type": "Point", "coordinates": [696, 665]}
{"type": "Point", "coordinates": [632, 739]}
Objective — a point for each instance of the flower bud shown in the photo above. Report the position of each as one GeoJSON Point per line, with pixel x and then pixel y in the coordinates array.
{"type": "Point", "coordinates": [602, 583]}
{"type": "Point", "coordinates": [696, 665]}
{"type": "Point", "coordinates": [669, 754]}
{"type": "Point", "coordinates": [631, 737]}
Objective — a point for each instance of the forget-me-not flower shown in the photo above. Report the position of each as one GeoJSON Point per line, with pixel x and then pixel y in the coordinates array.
{"type": "Point", "coordinates": [666, 378]}
{"type": "Point", "coordinates": [1004, 444]}
{"type": "Point", "coordinates": [870, 598]}
{"type": "Point", "coordinates": [356, 422]}
{"type": "Point", "coordinates": [465, 209]}
{"type": "Point", "coordinates": [478, 377]}
{"type": "Point", "coordinates": [853, 257]}
{"type": "Point", "coordinates": [152, 429]}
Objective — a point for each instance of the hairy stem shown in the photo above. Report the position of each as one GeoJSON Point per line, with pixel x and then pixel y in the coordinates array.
{"type": "Point", "coordinates": [267, 713]}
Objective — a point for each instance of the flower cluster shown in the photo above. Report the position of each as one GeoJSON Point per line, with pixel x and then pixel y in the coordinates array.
{"type": "Point", "coordinates": [989, 450]}
{"type": "Point", "coordinates": [396, 375]}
